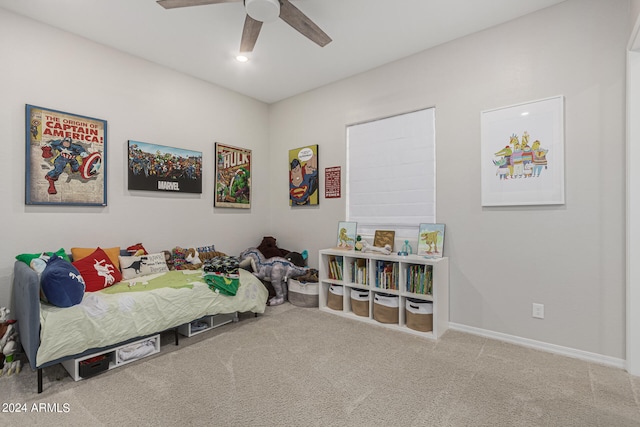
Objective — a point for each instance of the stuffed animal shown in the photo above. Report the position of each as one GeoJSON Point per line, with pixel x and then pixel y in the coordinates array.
{"type": "Point", "coordinates": [269, 249]}
{"type": "Point", "coordinates": [8, 344]}
{"type": "Point", "coordinates": [299, 259]}
{"type": "Point", "coordinates": [275, 270]}
{"type": "Point", "coordinates": [209, 252]}
{"type": "Point", "coordinates": [168, 258]}
{"type": "Point", "coordinates": [367, 247]}
{"type": "Point", "coordinates": [193, 260]}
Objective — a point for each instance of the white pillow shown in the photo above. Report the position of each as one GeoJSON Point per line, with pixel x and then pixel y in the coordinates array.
{"type": "Point", "coordinates": [135, 266]}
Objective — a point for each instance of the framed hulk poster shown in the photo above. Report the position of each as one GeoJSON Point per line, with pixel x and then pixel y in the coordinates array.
{"type": "Point", "coordinates": [233, 177]}
{"type": "Point", "coordinates": [66, 158]}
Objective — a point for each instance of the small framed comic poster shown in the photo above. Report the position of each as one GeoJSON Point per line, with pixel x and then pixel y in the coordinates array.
{"type": "Point", "coordinates": [233, 177]}
{"type": "Point", "coordinates": [431, 240]}
{"type": "Point", "coordinates": [332, 182]}
{"type": "Point", "coordinates": [303, 176]}
{"type": "Point", "coordinates": [66, 158]}
{"type": "Point", "coordinates": [346, 234]}
{"type": "Point", "coordinates": [160, 168]}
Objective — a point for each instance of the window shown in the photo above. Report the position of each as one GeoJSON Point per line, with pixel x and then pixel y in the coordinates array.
{"type": "Point", "coordinates": [391, 173]}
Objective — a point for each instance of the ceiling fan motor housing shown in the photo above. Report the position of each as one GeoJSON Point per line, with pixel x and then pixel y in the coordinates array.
{"type": "Point", "coordinates": [263, 10]}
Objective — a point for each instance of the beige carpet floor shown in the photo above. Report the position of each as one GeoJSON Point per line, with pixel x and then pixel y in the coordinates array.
{"type": "Point", "coordinates": [297, 366]}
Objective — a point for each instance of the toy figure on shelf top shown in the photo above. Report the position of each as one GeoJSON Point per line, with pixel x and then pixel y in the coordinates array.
{"type": "Point", "coordinates": [406, 249]}
{"type": "Point", "coordinates": [358, 245]}
{"type": "Point", "coordinates": [367, 247]}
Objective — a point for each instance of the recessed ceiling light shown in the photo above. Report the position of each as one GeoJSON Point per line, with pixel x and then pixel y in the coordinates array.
{"type": "Point", "coordinates": [242, 58]}
{"type": "Point", "coordinates": [526, 113]}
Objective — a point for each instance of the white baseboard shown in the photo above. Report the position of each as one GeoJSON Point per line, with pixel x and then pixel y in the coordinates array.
{"type": "Point", "coordinates": [539, 345]}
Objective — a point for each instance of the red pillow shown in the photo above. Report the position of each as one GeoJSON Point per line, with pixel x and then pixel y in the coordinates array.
{"type": "Point", "coordinates": [133, 249]}
{"type": "Point", "coordinates": [98, 271]}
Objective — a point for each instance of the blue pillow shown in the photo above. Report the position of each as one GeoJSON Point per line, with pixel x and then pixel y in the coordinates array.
{"type": "Point", "coordinates": [62, 283]}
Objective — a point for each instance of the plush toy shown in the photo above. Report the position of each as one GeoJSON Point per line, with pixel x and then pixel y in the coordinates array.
{"type": "Point", "coordinates": [299, 259]}
{"type": "Point", "coordinates": [8, 344]}
{"type": "Point", "coordinates": [270, 249]}
{"type": "Point", "coordinates": [275, 270]}
{"type": "Point", "coordinates": [168, 258]}
{"type": "Point", "coordinates": [177, 255]}
{"type": "Point", "coordinates": [192, 259]}
{"type": "Point", "coordinates": [367, 247]}
{"type": "Point", "coordinates": [208, 252]}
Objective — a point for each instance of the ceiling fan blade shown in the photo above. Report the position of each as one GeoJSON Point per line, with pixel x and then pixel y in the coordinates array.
{"type": "Point", "coordinates": [250, 34]}
{"type": "Point", "coordinates": [305, 26]}
{"type": "Point", "coordinates": [171, 4]}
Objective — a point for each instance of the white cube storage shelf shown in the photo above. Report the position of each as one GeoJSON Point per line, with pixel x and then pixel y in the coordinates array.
{"type": "Point", "coordinates": [389, 275]}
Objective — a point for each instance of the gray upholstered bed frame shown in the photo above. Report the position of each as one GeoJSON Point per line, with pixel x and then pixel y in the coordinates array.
{"type": "Point", "coordinates": [26, 307]}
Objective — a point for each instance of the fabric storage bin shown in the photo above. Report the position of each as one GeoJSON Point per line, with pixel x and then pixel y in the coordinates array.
{"type": "Point", "coordinates": [303, 294]}
{"type": "Point", "coordinates": [385, 308]}
{"type": "Point", "coordinates": [94, 366]}
{"type": "Point", "coordinates": [360, 302]}
{"type": "Point", "coordinates": [419, 315]}
{"type": "Point", "coordinates": [334, 297]}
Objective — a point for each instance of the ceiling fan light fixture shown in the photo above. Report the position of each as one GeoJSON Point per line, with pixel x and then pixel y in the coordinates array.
{"type": "Point", "coordinates": [263, 10]}
{"type": "Point", "coordinates": [242, 57]}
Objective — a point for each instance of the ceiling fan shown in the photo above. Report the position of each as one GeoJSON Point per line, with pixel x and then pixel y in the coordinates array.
{"type": "Point", "coordinates": [259, 11]}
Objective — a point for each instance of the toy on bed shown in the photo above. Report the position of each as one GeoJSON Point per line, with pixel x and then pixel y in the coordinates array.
{"type": "Point", "coordinates": [193, 258]}
{"type": "Point", "coordinates": [275, 269]}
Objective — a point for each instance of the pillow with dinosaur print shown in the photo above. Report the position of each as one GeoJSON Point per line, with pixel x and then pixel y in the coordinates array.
{"type": "Point", "coordinates": [136, 266]}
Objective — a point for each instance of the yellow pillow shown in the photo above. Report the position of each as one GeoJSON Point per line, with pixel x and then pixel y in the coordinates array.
{"type": "Point", "coordinates": [112, 253]}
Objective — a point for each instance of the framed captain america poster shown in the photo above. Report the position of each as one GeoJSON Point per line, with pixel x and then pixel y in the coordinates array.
{"type": "Point", "coordinates": [65, 159]}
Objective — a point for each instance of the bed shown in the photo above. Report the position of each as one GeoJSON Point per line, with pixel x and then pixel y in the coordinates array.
{"type": "Point", "coordinates": [125, 312]}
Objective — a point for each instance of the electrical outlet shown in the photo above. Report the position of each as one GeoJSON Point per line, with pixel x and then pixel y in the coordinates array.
{"type": "Point", "coordinates": [538, 311]}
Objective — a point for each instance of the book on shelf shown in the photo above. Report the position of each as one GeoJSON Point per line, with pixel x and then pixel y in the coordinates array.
{"type": "Point", "coordinates": [420, 279]}
{"type": "Point", "coordinates": [359, 272]}
{"type": "Point", "coordinates": [386, 275]}
{"type": "Point", "coordinates": [335, 267]}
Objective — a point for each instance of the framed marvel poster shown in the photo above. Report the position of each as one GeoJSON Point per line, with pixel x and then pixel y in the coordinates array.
{"type": "Point", "coordinates": [303, 176]}
{"type": "Point", "coordinates": [233, 177]}
{"type": "Point", "coordinates": [66, 158]}
{"type": "Point", "coordinates": [155, 167]}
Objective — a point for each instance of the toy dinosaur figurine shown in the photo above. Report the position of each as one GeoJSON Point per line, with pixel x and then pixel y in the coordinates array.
{"type": "Point", "coordinates": [275, 270]}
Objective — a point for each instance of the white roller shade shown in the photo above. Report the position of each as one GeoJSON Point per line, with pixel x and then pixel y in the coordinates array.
{"type": "Point", "coordinates": [391, 173]}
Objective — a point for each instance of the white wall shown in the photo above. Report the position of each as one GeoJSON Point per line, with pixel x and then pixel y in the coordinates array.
{"type": "Point", "coordinates": [571, 258]}
{"type": "Point", "coordinates": [141, 101]}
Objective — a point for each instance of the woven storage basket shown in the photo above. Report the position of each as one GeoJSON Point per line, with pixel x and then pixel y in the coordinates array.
{"type": "Point", "coordinates": [419, 315]}
{"type": "Point", "coordinates": [360, 302]}
{"type": "Point", "coordinates": [334, 297]}
{"type": "Point", "coordinates": [385, 308]}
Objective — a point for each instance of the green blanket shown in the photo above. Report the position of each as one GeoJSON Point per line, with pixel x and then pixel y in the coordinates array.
{"type": "Point", "coordinates": [171, 279]}
{"type": "Point", "coordinates": [226, 284]}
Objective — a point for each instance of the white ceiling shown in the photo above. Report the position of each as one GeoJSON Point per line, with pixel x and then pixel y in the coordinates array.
{"type": "Point", "coordinates": [202, 41]}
